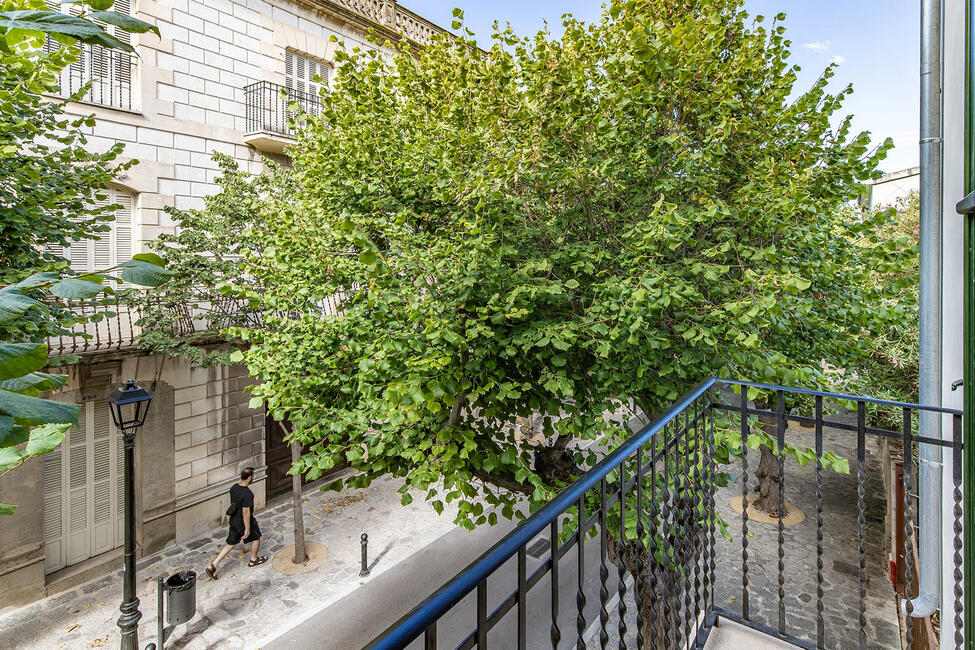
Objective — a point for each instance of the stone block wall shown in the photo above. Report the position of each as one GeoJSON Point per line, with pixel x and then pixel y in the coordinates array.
{"type": "Point", "coordinates": [190, 97]}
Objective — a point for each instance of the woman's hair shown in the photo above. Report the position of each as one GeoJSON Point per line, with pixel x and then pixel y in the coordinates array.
{"type": "Point", "coordinates": [246, 473]}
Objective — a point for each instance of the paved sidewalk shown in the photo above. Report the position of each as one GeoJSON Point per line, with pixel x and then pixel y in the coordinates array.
{"type": "Point", "coordinates": [246, 606]}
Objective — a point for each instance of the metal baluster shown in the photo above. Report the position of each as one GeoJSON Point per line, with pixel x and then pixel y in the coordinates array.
{"type": "Point", "coordinates": [957, 556]}
{"type": "Point", "coordinates": [522, 599]}
{"type": "Point", "coordinates": [780, 430]}
{"type": "Point", "coordinates": [861, 519]}
{"type": "Point", "coordinates": [712, 511]}
{"type": "Point", "coordinates": [908, 527]}
{"type": "Point", "coordinates": [744, 502]}
{"type": "Point", "coordinates": [556, 634]}
{"type": "Point", "coordinates": [697, 513]}
{"type": "Point", "coordinates": [672, 593]}
{"type": "Point", "coordinates": [429, 637]}
{"type": "Point", "coordinates": [603, 569]}
{"type": "Point", "coordinates": [652, 548]}
{"type": "Point", "coordinates": [820, 621]}
{"type": "Point", "coordinates": [640, 564]}
{"type": "Point", "coordinates": [665, 536]}
{"type": "Point", "coordinates": [687, 525]}
{"type": "Point", "coordinates": [581, 559]}
{"type": "Point", "coordinates": [620, 548]}
{"type": "Point", "coordinates": [482, 615]}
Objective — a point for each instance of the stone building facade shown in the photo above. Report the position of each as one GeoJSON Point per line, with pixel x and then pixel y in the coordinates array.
{"type": "Point", "coordinates": [211, 82]}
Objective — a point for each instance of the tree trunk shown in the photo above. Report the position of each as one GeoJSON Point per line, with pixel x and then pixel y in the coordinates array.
{"type": "Point", "coordinates": [661, 587]}
{"type": "Point", "coordinates": [767, 472]}
{"type": "Point", "coordinates": [300, 555]}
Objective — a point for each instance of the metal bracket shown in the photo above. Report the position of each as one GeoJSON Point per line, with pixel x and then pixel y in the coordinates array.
{"type": "Point", "coordinates": [967, 205]}
{"type": "Point", "coordinates": [958, 383]}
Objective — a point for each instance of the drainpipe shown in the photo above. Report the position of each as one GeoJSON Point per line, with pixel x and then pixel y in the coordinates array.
{"type": "Point", "coordinates": [928, 599]}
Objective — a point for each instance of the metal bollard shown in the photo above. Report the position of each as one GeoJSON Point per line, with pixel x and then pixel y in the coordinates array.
{"type": "Point", "coordinates": [365, 560]}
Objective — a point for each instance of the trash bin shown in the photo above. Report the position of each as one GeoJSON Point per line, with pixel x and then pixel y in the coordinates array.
{"type": "Point", "coordinates": [180, 597]}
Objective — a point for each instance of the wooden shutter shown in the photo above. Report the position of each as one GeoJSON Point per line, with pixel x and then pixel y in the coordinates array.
{"type": "Point", "coordinates": [83, 497]}
{"type": "Point", "coordinates": [305, 74]}
{"type": "Point", "coordinates": [111, 248]}
{"type": "Point", "coordinates": [102, 521]}
{"type": "Point", "coordinates": [53, 511]}
{"type": "Point", "coordinates": [77, 474]}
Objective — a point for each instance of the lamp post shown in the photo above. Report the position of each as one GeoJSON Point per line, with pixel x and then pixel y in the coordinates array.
{"type": "Point", "coordinates": [129, 406]}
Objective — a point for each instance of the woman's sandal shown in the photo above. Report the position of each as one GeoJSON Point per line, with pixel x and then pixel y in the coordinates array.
{"type": "Point", "coordinates": [212, 570]}
{"type": "Point", "coordinates": [260, 560]}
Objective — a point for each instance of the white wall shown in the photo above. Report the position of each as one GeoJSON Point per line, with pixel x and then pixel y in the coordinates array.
{"type": "Point", "coordinates": [952, 306]}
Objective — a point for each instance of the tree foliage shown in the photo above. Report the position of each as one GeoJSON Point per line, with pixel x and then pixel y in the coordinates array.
{"type": "Point", "coordinates": [531, 238]}
{"type": "Point", "coordinates": [47, 196]}
{"type": "Point", "coordinates": [50, 181]}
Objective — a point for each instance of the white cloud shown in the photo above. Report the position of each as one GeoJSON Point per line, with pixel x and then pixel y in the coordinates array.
{"type": "Point", "coordinates": [839, 60]}
{"type": "Point", "coordinates": [818, 46]}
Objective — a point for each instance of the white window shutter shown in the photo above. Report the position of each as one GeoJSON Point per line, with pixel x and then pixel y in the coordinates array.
{"type": "Point", "coordinates": [77, 475]}
{"type": "Point", "coordinates": [54, 558]}
{"type": "Point", "coordinates": [83, 497]}
{"type": "Point", "coordinates": [123, 227]}
{"type": "Point", "coordinates": [103, 526]}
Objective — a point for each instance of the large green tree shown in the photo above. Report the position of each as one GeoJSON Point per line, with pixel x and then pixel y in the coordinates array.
{"type": "Point", "coordinates": [554, 229]}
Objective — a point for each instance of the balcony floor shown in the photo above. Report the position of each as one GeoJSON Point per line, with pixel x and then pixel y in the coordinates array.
{"type": "Point", "coordinates": [728, 635]}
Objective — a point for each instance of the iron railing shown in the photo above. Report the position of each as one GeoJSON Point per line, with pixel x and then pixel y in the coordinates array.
{"type": "Point", "coordinates": [271, 108]}
{"type": "Point", "coordinates": [652, 511]}
{"type": "Point", "coordinates": [114, 323]}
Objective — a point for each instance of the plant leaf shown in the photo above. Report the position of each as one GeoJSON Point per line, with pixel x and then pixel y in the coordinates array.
{"type": "Point", "coordinates": [19, 359]}
{"type": "Point", "coordinates": [34, 410]}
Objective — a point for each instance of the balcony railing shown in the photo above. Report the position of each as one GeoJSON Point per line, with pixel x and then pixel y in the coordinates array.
{"type": "Point", "coordinates": [114, 325]}
{"type": "Point", "coordinates": [649, 567]}
{"type": "Point", "coordinates": [271, 107]}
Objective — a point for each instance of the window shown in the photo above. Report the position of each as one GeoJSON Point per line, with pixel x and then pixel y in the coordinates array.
{"type": "Point", "coordinates": [300, 73]}
{"type": "Point", "coordinates": [83, 496]}
{"type": "Point", "coordinates": [111, 248]}
{"type": "Point", "coordinates": [111, 72]}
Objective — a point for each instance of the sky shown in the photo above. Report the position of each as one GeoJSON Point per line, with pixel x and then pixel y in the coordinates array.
{"type": "Point", "coordinates": [875, 42]}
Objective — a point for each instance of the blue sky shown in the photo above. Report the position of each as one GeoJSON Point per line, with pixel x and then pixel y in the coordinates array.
{"type": "Point", "coordinates": [875, 41]}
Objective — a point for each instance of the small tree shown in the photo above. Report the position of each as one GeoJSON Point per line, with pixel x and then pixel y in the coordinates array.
{"type": "Point", "coordinates": [47, 192]}
{"type": "Point", "coordinates": [207, 255]}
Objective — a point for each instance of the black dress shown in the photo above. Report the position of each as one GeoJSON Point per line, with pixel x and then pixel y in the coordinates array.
{"type": "Point", "coordinates": [244, 498]}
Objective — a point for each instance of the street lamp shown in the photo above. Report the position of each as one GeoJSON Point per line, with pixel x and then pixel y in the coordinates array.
{"type": "Point", "coordinates": [129, 406]}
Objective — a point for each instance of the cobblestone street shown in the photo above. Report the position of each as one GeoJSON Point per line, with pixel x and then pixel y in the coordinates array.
{"type": "Point", "coordinates": [246, 606]}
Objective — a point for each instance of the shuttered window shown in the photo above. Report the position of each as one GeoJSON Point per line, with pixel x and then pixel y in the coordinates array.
{"type": "Point", "coordinates": [111, 248]}
{"type": "Point", "coordinates": [304, 74]}
{"type": "Point", "coordinates": [111, 72]}
{"type": "Point", "coordinates": [83, 506]}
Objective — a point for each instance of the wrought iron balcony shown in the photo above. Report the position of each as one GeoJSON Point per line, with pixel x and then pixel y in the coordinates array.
{"type": "Point", "coordinates": [271, 109]}
{"type": "Point", "coordinates": [649, 566]}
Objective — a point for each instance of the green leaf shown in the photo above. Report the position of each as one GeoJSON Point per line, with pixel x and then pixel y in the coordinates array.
{"type": "Point", "coordinates": [152, 258]}
{"type": "Point", "coordinates": [34, 383]}
{"type": "Point", "coordinates": [46, 438]}
{"type": "Point", "coordinates": [145, 274]}
{"type": "Point", "coordinates": [406, 499]}
{"type": "Point", "coordinates": [19, 359]}
{"type": "Point", "coordinates": [55, 22]}
{"type": "Point", "coordinates": [38, 279]}
{"type": "Point", "coordinates": [129, 24]}
{"type": "Point", "coordinates": [76, 288]}
{"type": "Point", "coordinates": [10, 457]}
{"type": "Point", "coordinates": [14, 304]}
{"type": "Point", "coordinates": [7, 509]}
{"type": "Point", "coordinates": [34, 410]}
